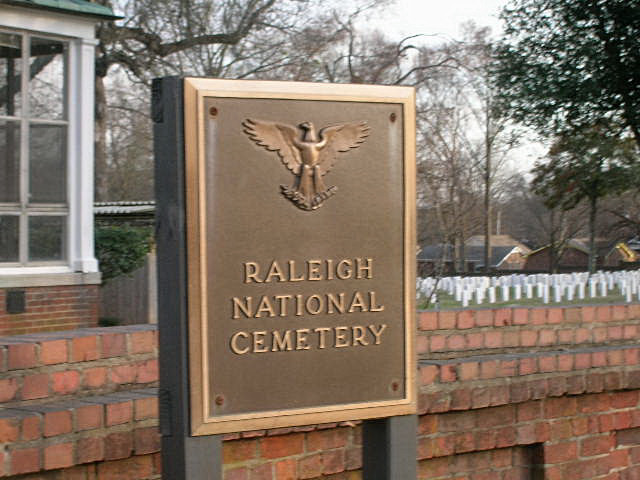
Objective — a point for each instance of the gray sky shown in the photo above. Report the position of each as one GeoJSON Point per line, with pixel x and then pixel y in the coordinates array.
{"type": "Point", "coordinates": [442, 17]}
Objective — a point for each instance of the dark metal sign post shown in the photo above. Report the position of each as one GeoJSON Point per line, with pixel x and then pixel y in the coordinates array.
{"type": "Point", "coordinates": [199, 399]}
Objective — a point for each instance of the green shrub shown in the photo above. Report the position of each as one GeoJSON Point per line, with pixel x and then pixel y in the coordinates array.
{"type": "Point", "coordinates": [122, 249]}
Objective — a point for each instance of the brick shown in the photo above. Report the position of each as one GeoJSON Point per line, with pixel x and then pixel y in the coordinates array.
{"type": "Point", "coordinates": [547, 364]}
{"type": "Point", "coordinates": [465, 319]}
{"type": "Point", "coordinates": [422, 344]}
{"type": "Point", "coordinates": [560, 452]}
{"type": "Point", "coordinates": [89, 417]}
{"type": "Point", "coordinates": [582, 335]}
{"type": "Point", "coordinates": [469, 371]}
{"type": "Point", "coordinates": [90, 449]}
{"type": "Point", "coordinates": [57, 423]}
{"type": "Point", "coordinates": [137, 467]}
{"type": "Point", "coordinates": [630, 436]}
{"type": "Point", "coordinates": [327, 439]}
{"type": "Point", "coordinates": [286, 470]}
{"type": "Point", "coordinates": [502, 317]}
{"type": "Point", "coordinates": [353, 458]}
{"type": "Point", "coordinates": [428, 374]}
{"type": "Point", "coordinates": [457, 422]}
{"type": "Point", "coordinates": [596, 445]}
{"type": "Point", "coordinates": [510, 339]}
{"type": "Point", "coordinates": [528, 338]}
{"type": "Point", "coordinates": [475, 341]}
{"type": "Point", "coordinates": [565, 363]}
{"type": "Point", "coordinates": [237, 474]}
{"type": "Point", "coordinates": [118, 445]}
{"type": "Point", "coordinates": [498, 416]}
{"type": "Point", "coordinates": [520, 316]}
{"type": "Point", "coordinates": [480, 397]}
{"type": "Point", "coordinates": [484, 318]}
{"type": "Point", "coordinates": [493, 339]}
{"type": "Point", "coordinates": [526, 434]}
{"type": "Point", "coordinates": [461, 399]}
{"type": "Point", "coordinates": [560, 407]}
{"type": "Point", "coordinates": [94, 377]}
{"type": "Point", "coordinates": [448, 373]}
{"type": "Point", "coordinates": [84, 349]}
{"type": "Point", "coordinates": [65, 382]}
{"type": "Point", "coordinates": [123, 374]}
{"type": "Point", "coordinates": [538, 316]}
{"type": "Point", "coordinates": [437, 343]}
{"type": "Point", "coordinates": [282, 446]}
{"type": "Point", "coordinates": [555, 315]}
{"type": "Point", "coordinates": [25, 460]}
{"type": "Point", "coordinates": [9, 429]}
{"type": "Point", "coordinates": [32, 427]}
{"type": "Point", "coordinates": [565, 336]}
{"type": "Point", "coordinates": [113, 345]}
{"type": "Point", "coordinates": [619, 312]}
{"type": "Point", "coordinates": [21, 355]}
{"type": "Point", "coordinates": [53, 352]}
{"type": "Point", "coordinates": [625, 399]}
{"type": "Point", "coordinates": [456, 342]}
{"type": "Point", "coordinates": [147, 372]}
{"type": "Point", "coordinates": [238, 451]}
{"type": "Point", "coordinates": [547, 337]}
{"type": "Point", "coordinates": [59, 455]}
{"type": "Point", "coordinates": [463, 442]}
{"type": "Point", "coordinates": [427, 424]}
{"type": "Point", "coordinates": [519, 392]}
{"type": "Point", "coordinates": [146, 440]}
{"type": "Point", "coordinates": [310, 467]}
{"type": "Point", "coordinates": [118, 413]}
{"type": "Point", "coordinates": [489, 369]}
{"type": "Point", "coordinates": [146, 408]}
{"type": "Point", "coordinates": [528, 366]}
{"type": "Point", "coordinates": [333, 462]}
{"type": "Point", "coordinates": [582, 361]}
{"type": "Point", "coordinates": [8, 389]}
{"type": "Point", "coordinates": [603, 313]}
{"type": "Point", "coordinates": [447, 320]}
{"type": "Point", "coordinates": [508, 368]}
{"type": "Point", "coordinates": [428, 320]}
{"type": "Point", "coordinates": [142, 342]}
{"type": "Point", "coordinates": [499, 395]}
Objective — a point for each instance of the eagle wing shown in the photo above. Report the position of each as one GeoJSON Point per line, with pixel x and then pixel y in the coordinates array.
{"type": "Point", "coordinates": [275, 137]}
{"type": "Point", "coordinates": [340, 138]}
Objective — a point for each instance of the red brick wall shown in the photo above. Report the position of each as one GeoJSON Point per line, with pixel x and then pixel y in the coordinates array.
{"type": "Point", "coordinates": [50, 309]}
{"type": "Point", "coordinates": [505, 394]}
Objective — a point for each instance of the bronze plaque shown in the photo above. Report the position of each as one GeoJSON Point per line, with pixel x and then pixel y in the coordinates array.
{"type": "Point", "coordinates": [301, 234]}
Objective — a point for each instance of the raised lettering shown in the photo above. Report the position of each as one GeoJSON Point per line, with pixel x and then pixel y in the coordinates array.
{"type": "Point", "coordinates": [292, 272]}
{"type": "Point", "coordinates": [234, 343]}
{"type": "Point", "coordinates": [322, 332]}
{"type": "Point", "coordinates": [282, 304]}
{"type": "Point", "coordinates": [359, 334]}
{"type": "Point", "coordinates": [251, 271]}
{"type": "Point", "coordinates": [360, 268]}
{"type": "Point", "coordinates": [377, 332]}
{"type": "Point", "coordinates": [274, 271]}
{"type": "Point", "coordinates": [357, 302]}
{"type": "Point", "coordinates": [332, 302]}
{"type": "Point", "coordinates": [319, 304]}
{"type": "Point", "coordinates": [265, 307]}
{"type": "Point", "coordinates": [258, 342]}
{"type": "Point", "coordinates": [344, 269]}
{"type": "Point", "coordinates": [301, 339]}
{"type": "Point", "coordinates": [340, 339]}
{"type": "Point", "coordinates": [372, 303]}
{"type": "Point", "coordinates": [245, 306]}
{"type": "Point", "coordinates": [313, 270]}
{"type": "Point", "coordinates": [281, 342]}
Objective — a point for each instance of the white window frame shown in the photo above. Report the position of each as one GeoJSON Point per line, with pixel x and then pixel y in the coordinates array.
{"type": "Point", "coordinates": [79, 32]}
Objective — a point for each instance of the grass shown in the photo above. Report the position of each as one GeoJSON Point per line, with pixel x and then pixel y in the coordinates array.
{"type": "Point", "coordinates": [448, 301]}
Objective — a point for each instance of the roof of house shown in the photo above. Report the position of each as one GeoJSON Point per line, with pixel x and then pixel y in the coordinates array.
{"type": "Point", "coordinates": [73, 7]}
{"type": "Point", "coordinates": [475, 254]}
{"type": "Point", "coordinates": [112, 209]}
{"type": "Point", "coordinates": [496, 241]}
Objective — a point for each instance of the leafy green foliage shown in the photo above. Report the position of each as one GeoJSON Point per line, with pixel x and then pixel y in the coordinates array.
{"type": "Point", "coordinates": [588, 164]}
{"type": "Point", "coordinates": [121, 250]}
{"type": "Point", "coordinates": [564, 65]}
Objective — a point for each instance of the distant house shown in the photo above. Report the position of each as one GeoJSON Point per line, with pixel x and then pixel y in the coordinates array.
{"type": "Point", "coordinates": [506, 254]}
{"type": "Point", "coordinates": [575, 256]}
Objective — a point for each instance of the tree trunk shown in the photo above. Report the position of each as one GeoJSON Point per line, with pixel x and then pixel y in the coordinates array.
{"type": "Point", "coordinates": [487, 196]}
{"type": "Point", "coordinates": [593, 255]}
{"type": "Point", "coordinates": [101, 167]}
{"type": "Point", "coordinates": [552, 242]}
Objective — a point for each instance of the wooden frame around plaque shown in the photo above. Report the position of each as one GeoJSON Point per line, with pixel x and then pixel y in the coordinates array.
{"type": "Point", "coordinates": [253, 172]}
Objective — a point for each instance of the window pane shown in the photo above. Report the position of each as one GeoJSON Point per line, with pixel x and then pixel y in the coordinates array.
{"type": "Point", "coordinates": [9, 238]}
{"type": "Point", "coordinates": [47, 83]}
{"type": "Point", "coordinates": [9, 161]}
{"type": "Point", "coordinates": [46, 238]}
{"type": "Point", "coordinates": [10, 69]}
{"type": "Point", "coordinates": [47, 163]}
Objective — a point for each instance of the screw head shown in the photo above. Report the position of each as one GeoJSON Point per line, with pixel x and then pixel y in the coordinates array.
{"type": "Point", "coordinates": [219, 400]}
{"type": "Point", "coordinates": [392, 117]}
{"type": "Point", "coordinates": [213, 111]}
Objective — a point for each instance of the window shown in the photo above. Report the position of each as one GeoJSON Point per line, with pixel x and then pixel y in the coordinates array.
{"type": "Point", "coordinates": [34, 130]}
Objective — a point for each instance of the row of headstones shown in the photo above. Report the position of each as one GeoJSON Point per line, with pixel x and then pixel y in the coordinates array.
{"type": "Point", "coordinates": [543, 286]}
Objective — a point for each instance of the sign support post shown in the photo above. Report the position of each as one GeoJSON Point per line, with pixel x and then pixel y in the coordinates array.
{"type": "Point", "coordinates": [184, 457]}
{"type": "Point", "coordinates": [389, 449]}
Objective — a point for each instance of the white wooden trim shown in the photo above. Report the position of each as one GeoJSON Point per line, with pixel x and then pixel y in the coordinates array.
{"type": "Point", "coordinates": [47, 277]}
{"type": "Point", "coordinates": [47, 22]}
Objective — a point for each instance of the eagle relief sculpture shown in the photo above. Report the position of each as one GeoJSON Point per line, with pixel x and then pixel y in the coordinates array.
{"type": "Point", "coordinates": [309, 156]}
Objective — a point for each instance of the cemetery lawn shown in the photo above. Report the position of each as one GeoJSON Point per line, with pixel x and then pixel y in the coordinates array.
{"type": "Point", "coordinates": [448, 301]}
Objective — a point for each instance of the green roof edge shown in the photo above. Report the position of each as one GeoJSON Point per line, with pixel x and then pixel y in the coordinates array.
{"type": "Point", "coordinates": [73, 7]}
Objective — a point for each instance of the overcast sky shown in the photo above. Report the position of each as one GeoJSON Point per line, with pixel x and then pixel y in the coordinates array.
{"type": "Point", "coordinates": [441, 17]}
